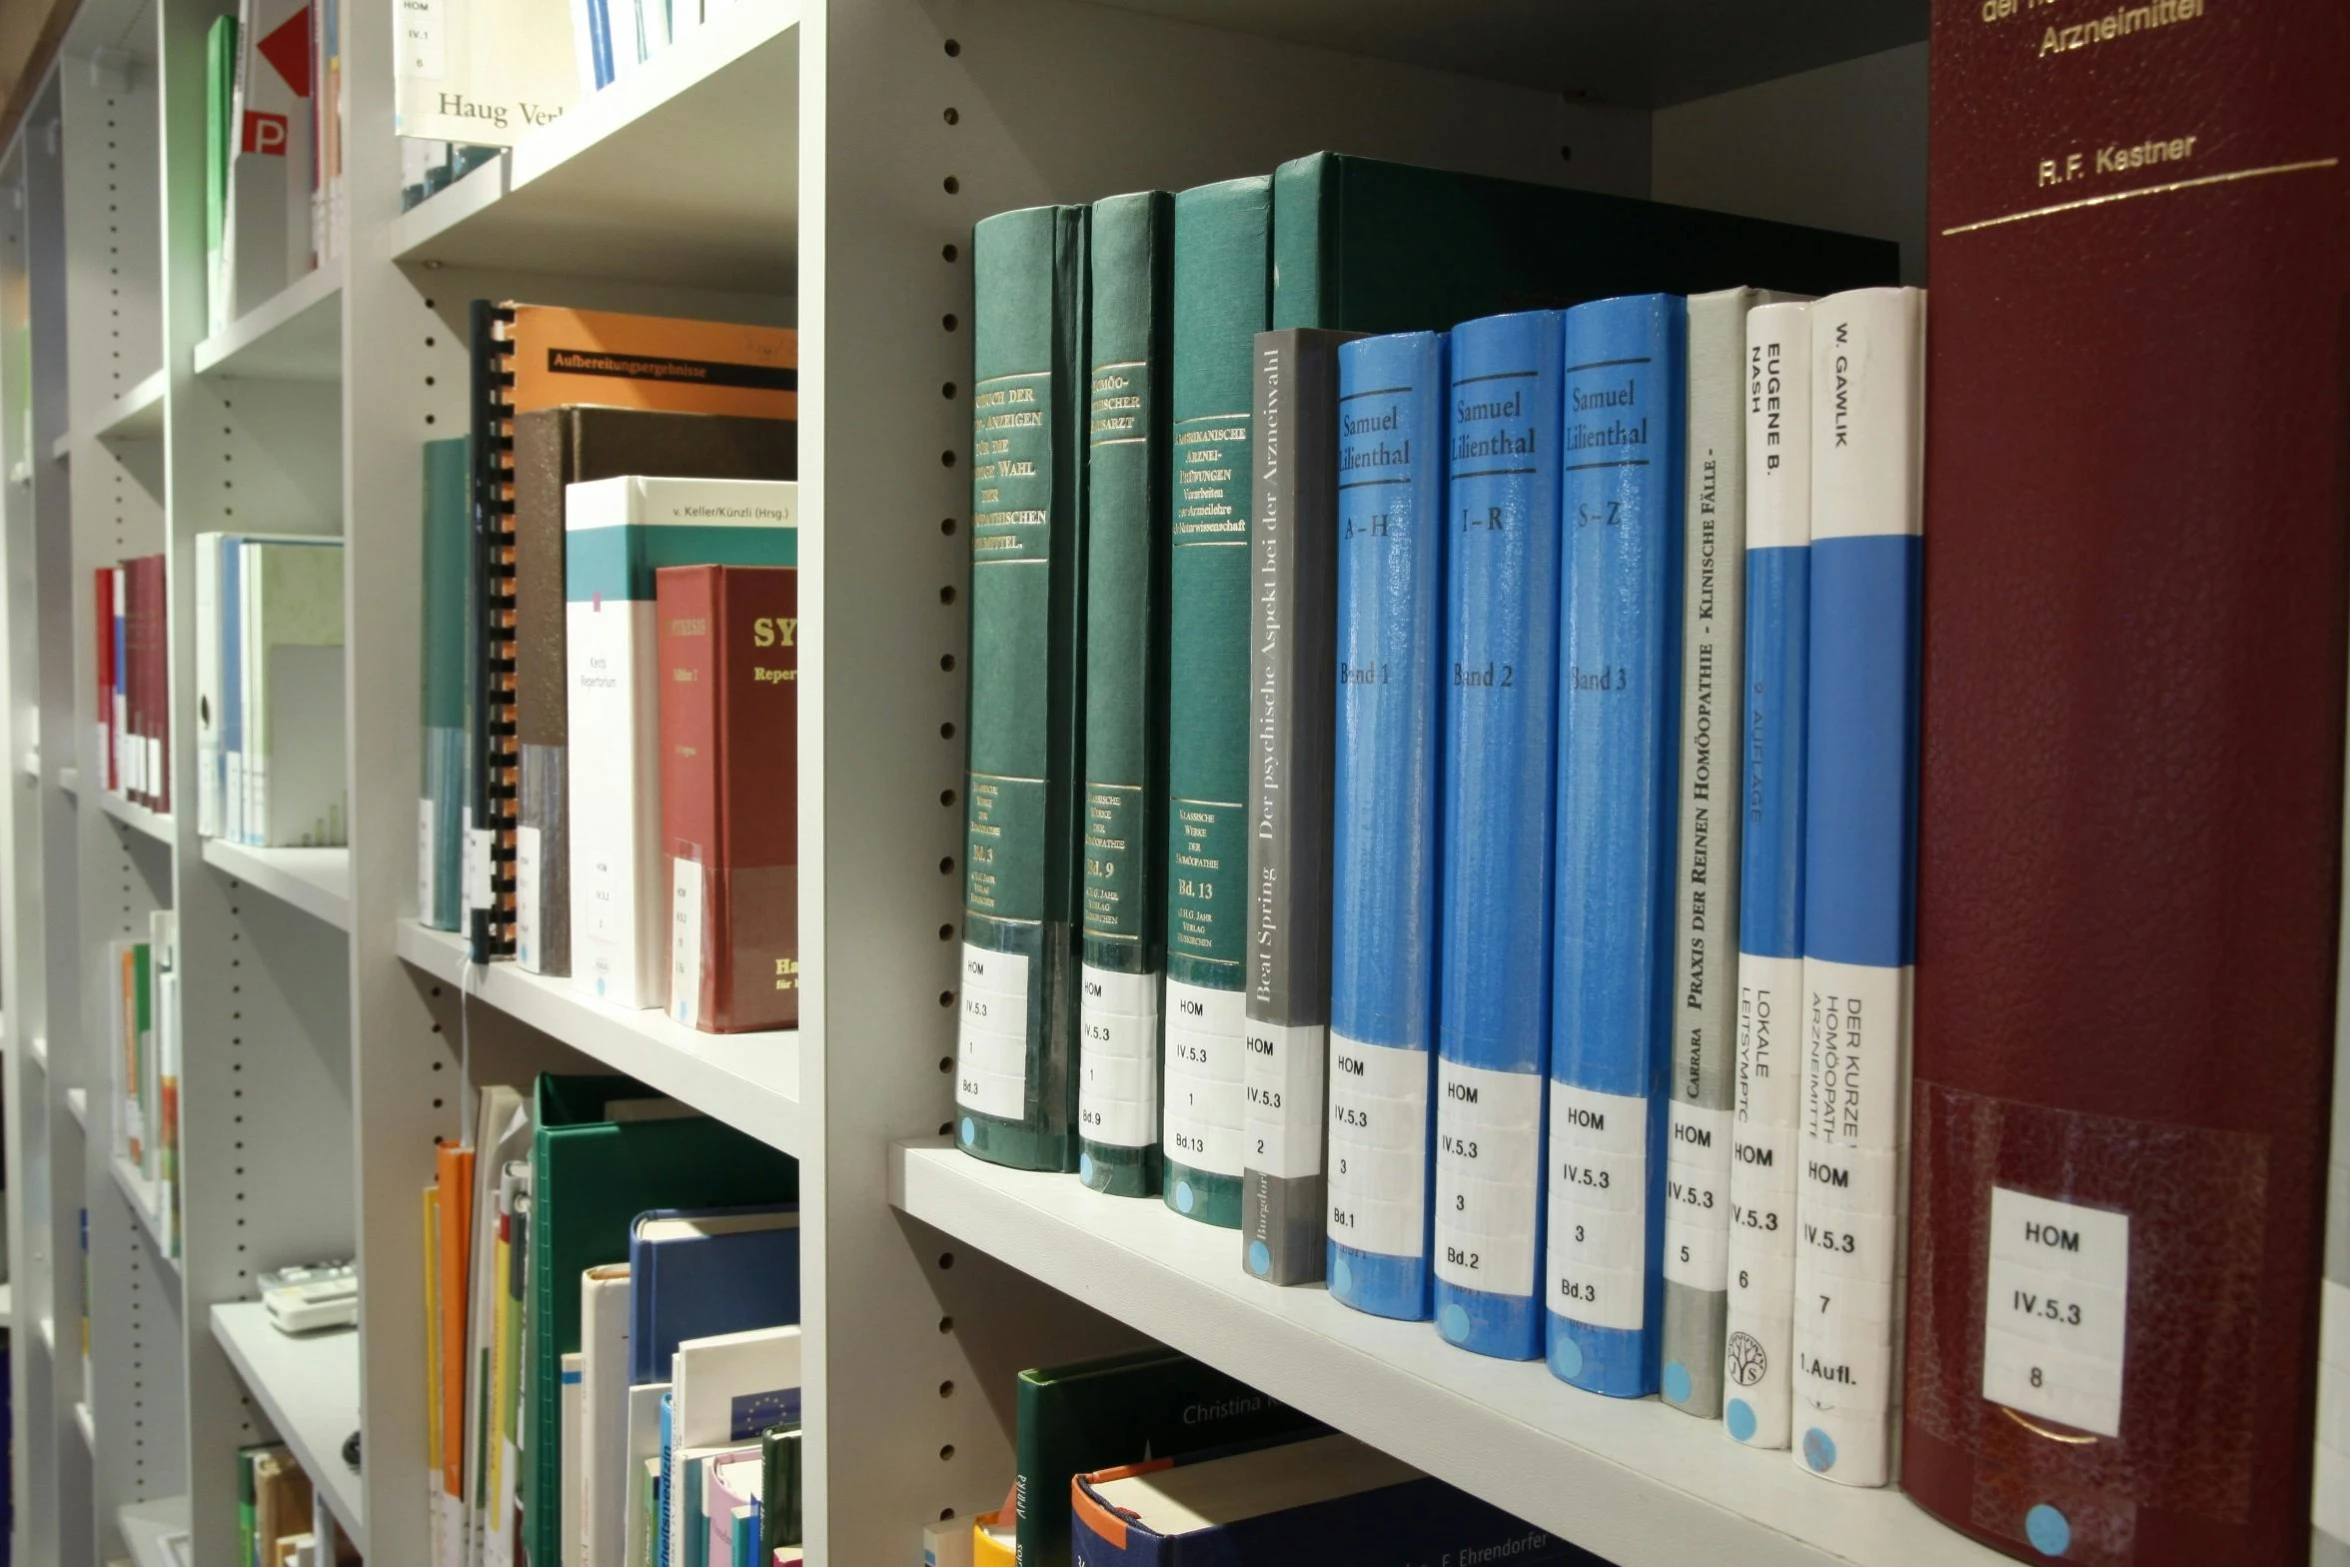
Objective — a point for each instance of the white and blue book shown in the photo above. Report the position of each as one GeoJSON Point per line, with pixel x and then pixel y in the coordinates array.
{"type": "Point", "coordinates": [616, 534]}
{"type": "Point", "coordinates": [1619, 710]}
{"type": "Point", "coordinates": [1493, 928]}
{"type": "Point", "coordinates": [290, 601]}
{"type": "Point", "coordinates": [1860, 874]}
{"type": "Point", "coordinates": [1758, 1350]}
{"type": "Point", "coordinates": [725, 1391]}
{"type": "Point", "coordinates": [1383, 878]}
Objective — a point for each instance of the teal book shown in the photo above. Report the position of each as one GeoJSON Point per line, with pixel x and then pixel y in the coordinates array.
{"type": "Point", "coordinates": [605, 1149]}
{"type": "Point", "coordinates": [1223, 299]}
{"type": "Point", "coordinates": [1016, 1054]}
{"type": "Point", "coordinates": [1125, 784]}
{"type": "Point", "coordinates": [1370, 246]}
{"type": "Point", "coordinates": [442, 792]}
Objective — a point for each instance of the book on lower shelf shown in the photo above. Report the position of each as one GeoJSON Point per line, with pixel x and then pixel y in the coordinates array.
{"type": "Point", "coordinates": [270, 689]}
{"type": "Point", "coordinates": [132, 680]}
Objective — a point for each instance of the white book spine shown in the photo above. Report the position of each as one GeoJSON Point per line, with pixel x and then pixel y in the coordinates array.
{"type": "Point", "coordinates": [118, 759]}
{"type": "Point", "coordinates": [1868, 362]}
{"type": "Point", "coordinates": [603, 1465]}
{"type": "Point", "coordinates": [240, 793]}
{"type": "Point", "coordinates": [1759, 1343]}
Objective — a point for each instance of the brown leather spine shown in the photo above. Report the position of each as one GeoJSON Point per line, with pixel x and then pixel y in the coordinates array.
{"type": "Point", "coordinates": [2131, 812]}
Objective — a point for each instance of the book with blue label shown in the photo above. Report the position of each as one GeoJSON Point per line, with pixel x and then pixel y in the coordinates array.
{"type": "Point", "coordinates": [1322, 1499]}
{"type": "Point", "coordinates": [1493, 922]}
{"type": "Point", "coordinates": [1390, 705]}
{"type": "Point", "coordinates": [693, 1274]}
{"type": "Point", "coordinates": [1619, 705]}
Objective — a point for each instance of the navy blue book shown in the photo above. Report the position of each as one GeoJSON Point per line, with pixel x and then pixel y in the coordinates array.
{"type": "Point", "coordinates": [1493, 941]}
{"type": "Point", "coordinates": [1383, 878]}
{"type": "Point", "coordinates": [697, 1273]}
{"type": "Point", "coordinates": [1619, 743]}
{"type": "Point", "coordinates": [1325, 1499]}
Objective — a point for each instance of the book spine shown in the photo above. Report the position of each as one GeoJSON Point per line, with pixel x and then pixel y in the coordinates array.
{"type": "Point", "coordinates": [208, 684]}
{"type": "Point", "coordinates": [543, 445]}
{"type": "Point", "coordinates": [1292, 641]}
{"type": "Point", "coordinates": [1859, 881]}
{"type": "Point", "coordinates": [117, 772]}
{"type": "Point", "coordinates": [159, 682]}
{"type": "Point", "coordinates": [1502, 481]}
{"type": "Point", "coordinates": [490, 632]}
{"type": "Point", "coordinates": [689, 611]}
{"type": "Point", "coordinates": [1223, 298]}
{"type": "Point", "coordinates": [1758, 1345]}
{"type": "Point", "coordinates": [1705, 942]}
{"type": "Point", "coordinates": [1619, 733]}
{"type": "Point", "coordinates": [102, 680]}
{"type": "Point", "coordinates": [1125, 795]}
{"type": "Point", "coordinates": [751, 930]}
{"type": "Point", "coordinates": [619, 879]}
{"type": "Point", "coordinates": [1016, 1044]}
{"type": "Point", "coordinates": [1384, 871]}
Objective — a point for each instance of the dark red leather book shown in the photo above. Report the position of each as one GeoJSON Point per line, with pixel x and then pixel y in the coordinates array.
{"type": "Point", "coordinates": [728, 644]}
{"type": "Point", "coordinates": [107, 739]}
{"type": "Point", "coordinates": [2131, 813]}
{"type": "Point", "coordinates": [158, 683]}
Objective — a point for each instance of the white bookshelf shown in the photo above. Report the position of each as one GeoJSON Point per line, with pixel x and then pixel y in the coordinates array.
{"type": "Point", "coordinates": [802, 162]}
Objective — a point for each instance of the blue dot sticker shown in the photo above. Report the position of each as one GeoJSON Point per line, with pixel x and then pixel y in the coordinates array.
{"type": "Point", "coordinates": [1566, 1359]}
{"type": "Point", "coordinates": [1819, 1450]}
{"type": "Point", "coordinates": [1739, 1417]}
{"type": "Point", "coordinates": [2050, 1531]}
{"type": "Point", "coordinates": [1342, 1279]}
{"type": "Point", "coordinates": [970, 1132]}
{"type": "Point", "coordinates": [1455, 1323]}
{"type": "Point", "coordinates": [1085, 1168]}
{"type": "Point", "coordinates": [1677, 1385]}
{"type": "Point", "coordinates": [1183, 1197]}
{"type": "Point", "coordinates": [1260, 1258]}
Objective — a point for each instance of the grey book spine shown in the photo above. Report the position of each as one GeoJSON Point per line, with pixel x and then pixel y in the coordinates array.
{"type": "Point", "coordinates": [1292, 645]}
{"type": "Point", "coordinates": [1705, 957]}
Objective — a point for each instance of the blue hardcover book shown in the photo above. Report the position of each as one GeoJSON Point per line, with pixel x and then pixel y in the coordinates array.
{"type": "Point", "coordinates": [1493, 926]}
{"type": "Point", "coordinates": [1383, 877]}
{"type": "Point", "coordinates": [1859, 875]}
{"type": "Point", "coordinates": [703, 1272]}
{"type": "Point", "coordinates": [1325, 1499]}
{"type": "Point", "coordinates": [231, 589]}
{"type": "Point", "coordinates": [1619, 712]}
{"type": "Point", "coordinates": [1759, 1337]}
{"type": "Point", "coordinates": [660, 1545]}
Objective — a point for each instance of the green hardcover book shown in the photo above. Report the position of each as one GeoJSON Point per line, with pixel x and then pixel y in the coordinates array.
{"type": "Point", "coordinates": [1153, 1403]}
{"type": "Point", "coordinates": [220, 78]}
{"type": "Point", "coordinates": [780, 1487]}
{"type": "Point", "coordinates": [1369, 246]}
{"type": "Point", "coordinates": [442, 792]}
{"type": "Point", "coordinates": [1016, 1046]}
{"type": "Point", "coordinates": [1223, 299]}
{"type": "Point", "coordinates": [1125, 693]}
{"type": "Point", "coordinates": [606, 1149]}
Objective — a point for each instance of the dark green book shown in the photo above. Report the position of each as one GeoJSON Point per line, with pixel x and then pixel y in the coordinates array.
{"type": "Point", "coordinates": [1125, 800]}
{"type": "Point", "coordinates": [1016, 1047]}
{"type": "Point", "coordinates": [603, 1150]}
{"type": "Point", "coordinates": [1153, 1403]}
{"type": "Point", "coordinates": [1369, 246]}
{"type": "Point", "coordinates": [1223, 299]}
{"type": "Point", "coordinates": [780, 1455]}
{"type": "Point", "coordinates": [443, 792]}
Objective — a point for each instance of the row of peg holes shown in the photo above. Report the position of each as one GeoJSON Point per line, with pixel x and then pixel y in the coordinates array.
{"type": "Point", "coordinates": [947, 797]}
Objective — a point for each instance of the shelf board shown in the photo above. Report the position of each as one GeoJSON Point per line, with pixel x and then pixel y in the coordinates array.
{"type": "Point", "coordinates": [687, 170]}
{"type": "Point", "coordinates": [749, 1081]}
{"type": "Point", "coordinates": [69, 779]}
{"type": "Point", "coordinates": [316, 881]}
{"type": "Point", "coordinates": [297, 336]}
{"type": "Point", "coordinates": [141, 1194]}
{"type": "Point", "coordinates": [78, 1101]}
{"type": "Point", "coordinates": [1639, 53]}
{"type": "Point", "coordinates": [308, 1386]}
{"type": "Point", "coordinates": [47, 1328]}
{"type": "Point", "coordinates": [1632, 1480]}
{"type": "Point", "coordinates": [133, 415]}
{"type": "Point", "coordinates": [7, 1305]}
{"type": "Point", "coordinates": [146, 1526]}
{"type": "Point", "coordinates": [40, 1051]}
{"type": "Point", "coordinates": [89, 1428]}
{"type": "Point", "coordinates": [154, 824]}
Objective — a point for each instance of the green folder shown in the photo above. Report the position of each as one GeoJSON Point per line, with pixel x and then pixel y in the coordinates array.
{"type": "Point", "coordinates": [220, 77]}
{"type": "Point", "coordinates": [596, 1163]}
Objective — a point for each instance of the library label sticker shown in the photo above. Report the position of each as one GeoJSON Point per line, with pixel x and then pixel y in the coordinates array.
{"type": "Point", "coordinates": [2056, 1312]}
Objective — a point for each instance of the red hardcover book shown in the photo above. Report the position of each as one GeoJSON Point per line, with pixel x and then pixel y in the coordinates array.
{"type": "Point", "coordinates": [2131, 812]}
{"type": "Point", "coordinates": [729, 653]}
{"type": "Point", "coordinates": [136, 633]}
{"type": "Point", "coordinates": [158, 682]}
{"type": "Point", "coordinates": [103, 622]}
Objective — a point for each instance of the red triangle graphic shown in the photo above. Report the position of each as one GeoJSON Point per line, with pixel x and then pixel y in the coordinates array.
{"type": "Point", "coordinates": [289, 50]}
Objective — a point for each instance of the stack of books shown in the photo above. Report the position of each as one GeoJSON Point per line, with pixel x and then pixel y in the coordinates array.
{"type": "Point", "coordinates": [133, 686]}
{"type": "Point", "coordinates": [612, 1358]}
{"type": "Point", "coordinates": [1367, 713]}
{"type": "Point", "coordinates": [611, 664]}
{"type": "Point", "coordinates": [269, 689]}
{"type": "Point", "coordinates": [145, 1051]}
